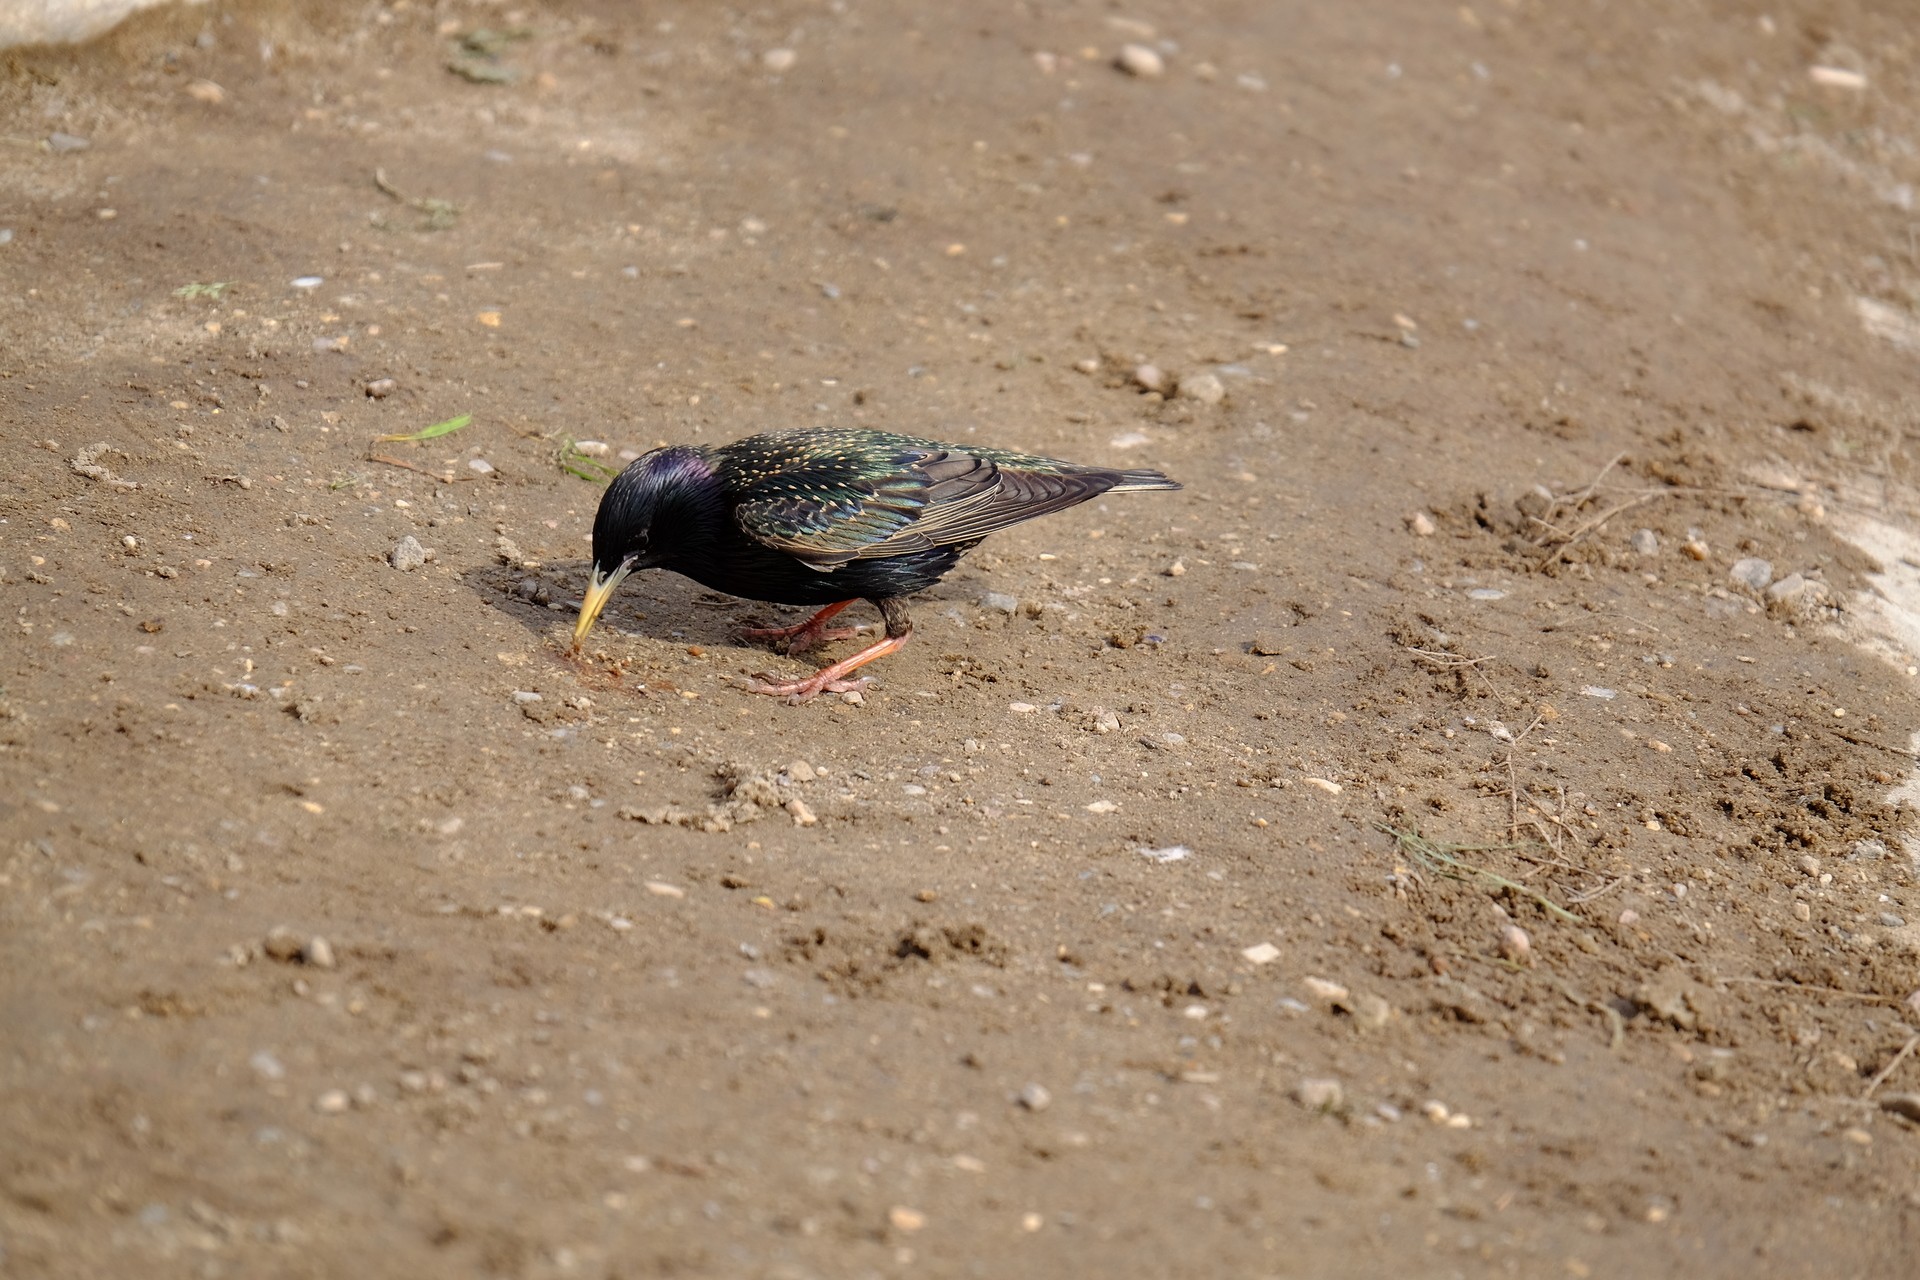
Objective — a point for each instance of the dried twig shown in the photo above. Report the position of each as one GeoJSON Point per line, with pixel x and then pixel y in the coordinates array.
{"type": "Point", "coordinates": [1887, 1070]}
{"type": "Point", "coordinates": [1820, 991]}
{"type": "Point", "coordinates": [1442, 860]}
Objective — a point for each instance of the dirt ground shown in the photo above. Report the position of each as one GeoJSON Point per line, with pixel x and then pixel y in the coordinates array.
{"type": "Point", "coordinates": [1426, 844]}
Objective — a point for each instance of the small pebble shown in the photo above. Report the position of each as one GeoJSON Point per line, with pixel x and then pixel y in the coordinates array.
{"type": "Point", "coordinates": [778, 60]}
{"type": "Point", "coordinates": [1101, 720]}
{"type": "Point", "coordinates": [1421, 525]}
{"type": "Point", "coordinates": [1645, 542]}
{"type": "Point", "coordinates": [905, 1219]}
{"type": "Point", "coordinates": [1171, 853]}
{"type": "Point", "coordinates": [1022, 708]}
{"type": "Point", "coordinates": [332, 1102]}
{"type": "Point", "coordinates": [318, 953]}
{"type": "Point", "coordinates": [1515, 945]}
{"type": "Point", "coordinates": [1203, 387]}
{"type": "Point", "coordinates": [524, 696]}
{"type": "Point", "coordinates": [592, 448]}
{"type": "Point", "coordinates": [381, 388]}
{"type": "Point", "coordinates": [1000, 601]}
{"type": "Point", "coordinates": [206, 91]}
{"type": "Point", "coordinates": [801, 771]}
{"type": "Point", "coordinates": [1801, 911]}
{"type": "Point", "coordinates": [1034, 1097]}
{"type": "Point", "coordinates": [1149, 377]}
{"type": "Point", "coordinates": [309, 282]}
{"type": "Point", "coordinates": [1696, 549]}
{"type": "Point", "coordinates": [1102, 806]}
{"type": "Point", "coordinates": [660, 889]}
{"type": "Point", "coordinates": [1262, 953]}
{"type": "Point", "coordinates": [266, 1066]}
{"type": "Point", "coordinates": [1321, 989]}
{"type": "Point", "coordinates": [1371, 1012]}
{"type": "Point", "coordinates": [1088, 365]}
{"type": "Point", "coordinates": [480, 466]}
{"type": "Point", "coordinates": [1891, 921]}
{"type": "Point", "coordinates": [407, 554]}
{"type": "Point", "coordinates": [1175, 570]}
{"type": "Point", "coordinates": [1138, 60]}
{"type": "Point", "coordinates": [1319, 1094]}
{"type": "Point", "coordinates": [60, 143]}
{"type": "Point", "coordinates": [282, 944]}
{"type": "Point", "coordinates": [1751, 572]}
{"type": "Point", "coordinates": [802, 815]}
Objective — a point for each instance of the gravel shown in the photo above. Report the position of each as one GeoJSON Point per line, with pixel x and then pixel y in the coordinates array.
{"type": "Point", "coordinates": [1645, 542]}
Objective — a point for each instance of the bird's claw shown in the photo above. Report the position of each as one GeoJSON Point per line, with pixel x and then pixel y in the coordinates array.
{"type": "Point", "coordinates": [796, 640]}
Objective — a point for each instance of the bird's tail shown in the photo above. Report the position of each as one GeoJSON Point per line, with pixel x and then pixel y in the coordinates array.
{"type": "Point", "coordinates": [1131, 481]}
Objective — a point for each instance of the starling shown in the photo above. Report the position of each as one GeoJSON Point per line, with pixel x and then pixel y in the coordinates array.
{"type": "Point", "coordinates": [825, 517]}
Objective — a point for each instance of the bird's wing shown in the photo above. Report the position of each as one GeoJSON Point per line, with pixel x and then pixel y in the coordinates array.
{"type": "Point", "coordinates": [829, 510]}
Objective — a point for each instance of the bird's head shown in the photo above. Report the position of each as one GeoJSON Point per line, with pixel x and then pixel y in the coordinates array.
{"type": "Point", "coordinates": [640, 522]}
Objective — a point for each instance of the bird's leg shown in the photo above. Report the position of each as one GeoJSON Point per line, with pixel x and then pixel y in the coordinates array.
{"type": "Point", "coordinates": [833, 679]}
{"type": "Point", "coordinates": [807, 634]}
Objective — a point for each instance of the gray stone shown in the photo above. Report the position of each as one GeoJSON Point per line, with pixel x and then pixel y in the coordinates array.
{"type": "Point", "coordinates": [1645, 542]}
{"type": "Point", "coordinates": [1203, 387]}
{"type": "Point", "coordinates": [1000, 601]}
{"type": "Point", "coordinates": [407, 554]}
{"type": "Point", "coordinates": [1034, 1097]}
{"type": "Point", "coordinates": [1751, 572]}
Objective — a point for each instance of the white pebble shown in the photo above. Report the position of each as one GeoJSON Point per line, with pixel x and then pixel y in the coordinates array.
{"type": "Point", "coordinates": [1034, 1097]}
{"type": "Point", "coordinates": [1421, 525]}
{"type": "Point", "coordinates": [1138, 60]}
{"type": "Point", "coordinates": [480, 465]}
{"type": "Point", "coordinates": [1150, 377]}
{"type": "Point", "coordinates": [1751, 572]}
{"type": "Point", "coordinates": [524, 696]}
{"type": "Point", "coordinates": [332, 1102]}
{"type": "Point", "coordinates": [1262, 953]}
{"type": "Point", "coordinates": [592, 448]}
{"type": "Point", "coordinates": [309, 282]}
{"type": "Point", "coordinates": [1203, 387]}
{"type": "Point", "coordinates": [1319, 1094]}
{"type": "Point", "coordinates": [778, 60]}
{"type": "Point", "coordinates": [1171, 853]}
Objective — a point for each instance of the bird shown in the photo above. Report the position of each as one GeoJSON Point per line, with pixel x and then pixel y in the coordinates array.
{"type": "Point", "coordinates": [826, 517]}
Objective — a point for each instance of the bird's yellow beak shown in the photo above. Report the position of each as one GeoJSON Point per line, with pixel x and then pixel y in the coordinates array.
{"type": "Point", "coordinates": [598, 593]}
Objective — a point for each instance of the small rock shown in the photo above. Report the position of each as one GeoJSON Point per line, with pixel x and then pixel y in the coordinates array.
{"type": "Point", "coordinates": [1203, 387]}
{"type": "Point", "coordinates": [281, 944]}
{"type": "Point", "coordinates": [801, 771]}
{"type": "Point", "coordinates": [1515, 945]}
{"type": "Point", "coordinates": [407, 554]}
{"type": "Point", "coordinates": [1089, 365]}
{"type": "Point", "coordinates": [206, 91]}
{"type": "Point", "coordinates": [1138, 60]}
{"type": "Point", "coordinates": [1034, 1097]}
{"type": "Point", "coordinates": [308, 282]}
{"type": "Point", "coordinates": [1421, 525]}
{"type": "Point", "coordinates": [332, 1102]}
{"type": "Point", "coordinates": [592, 448]}
{"type": "Point", "coordinates": [1171, 853]}
{"type": "Point", "coordinates": [778, 60]}
{"type": "Point", "coordinates": [1262, 953]}
{"type": "Point", "coordinates": [1645, 542]}
{"type": "Point", "coordinates": [1321, 989]}
{"type": "Point", "coordinates": [1149, 377]}
{"type": "Point", "coordinates": [1371, 1012]}
{"type": "Point", "coordinates": [1809, 864]}
{"type": "Point", "coordinates": [381, 388]}
{"type": "Point", "coordinates": [802, 815]}
{"type": "Point", "coordinates": [63, 142]}
{"type": "Point", "coordinates": [524, 696]}
{"type": "Point", "coordinates": [1101, 720]}
{"type": "Point", "coordinates": [1319, 1094]}
{"type": "Point", "coordinates": [266, 1066]}
{"type": "Point", "coordinates": [1177, 569]}
{"type": "Point", "coordinates": [905, 1219]}
{"type": "Point", "coordinates": [1751, 572]}
{"type": "Point", "coordinates": [1695, 549]}
{"type": "Point", "coordinates": [318, 953]}
{"type": "Point", "coordinates": [527, 588]}
{"type": "Point", "coordinates": [1811, 507]}
{"type": "Point", "coordinates": [1101, 807]}
{"type": "Point", "coordinates": [1891, 921]}
{"type": "Point", "coordinates": [1000, 601]}
{"type": "Point", "coordinates": [1796, 596]}
{"type": "Point", "coordinates": [1022, 708]}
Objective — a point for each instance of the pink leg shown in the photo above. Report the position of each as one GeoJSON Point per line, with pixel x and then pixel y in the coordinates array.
{"type": "Point", "coordinates": [807, 634]}
{"type": "Point", "coordinates": [832, 679]}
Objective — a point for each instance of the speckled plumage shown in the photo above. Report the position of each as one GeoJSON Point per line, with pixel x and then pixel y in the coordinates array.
{"type": "Point", "coordinates": [822, 516]}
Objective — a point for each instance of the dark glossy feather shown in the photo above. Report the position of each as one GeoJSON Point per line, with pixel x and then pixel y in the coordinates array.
{"type": "Point", "coordinates": [829, 497]}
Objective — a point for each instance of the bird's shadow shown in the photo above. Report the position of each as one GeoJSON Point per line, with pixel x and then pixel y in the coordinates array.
{"type": "Point", "coordinates": [651, 605]}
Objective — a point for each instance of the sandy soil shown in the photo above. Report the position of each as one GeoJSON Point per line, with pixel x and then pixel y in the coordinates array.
{"type": "Point", "coordinates": [1379, 857]}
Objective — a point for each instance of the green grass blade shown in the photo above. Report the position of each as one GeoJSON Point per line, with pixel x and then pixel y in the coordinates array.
{"type": "Point", "coordinates": [438, 429]}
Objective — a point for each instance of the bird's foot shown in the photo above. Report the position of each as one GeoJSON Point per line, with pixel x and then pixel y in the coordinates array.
{"type": "Point", "coordinates": [799, 691]}
{"type": "Point", "coordinates": [799, 639]}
